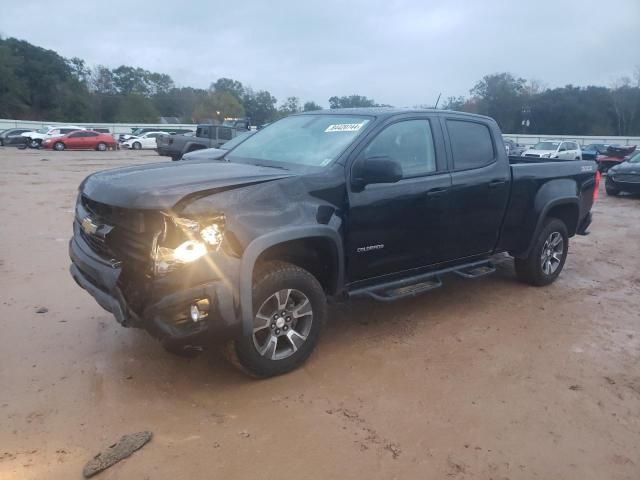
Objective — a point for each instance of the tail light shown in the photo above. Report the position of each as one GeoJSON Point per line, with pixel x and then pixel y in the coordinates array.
{"type": "Point", "coordinates": [596, 189]}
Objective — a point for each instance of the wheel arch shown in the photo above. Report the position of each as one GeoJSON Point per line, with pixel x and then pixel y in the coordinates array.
{"type": "Point", "coordinates": [566, 209]}
{"type": "Point", "coordinates": [302, 246]}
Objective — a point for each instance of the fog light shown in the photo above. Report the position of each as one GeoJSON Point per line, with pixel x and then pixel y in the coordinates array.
{"type": "Point", "coordinates": [199, 310]}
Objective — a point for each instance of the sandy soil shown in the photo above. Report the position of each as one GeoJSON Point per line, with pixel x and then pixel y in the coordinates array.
{"type": "Point", "coordinates": [482, 379]}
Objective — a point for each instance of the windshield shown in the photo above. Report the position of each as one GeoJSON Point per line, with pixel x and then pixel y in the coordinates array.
{"type": "Point", "coordinates": [635, 157]}
{"type": "Point", "coordinates": [546, 146]}
{"type": "Point", "coordinates": [42, 130]}
{"type": "Point", "coordinates": [312, 140]}
{"type": "Point", "coordinates": [235, 141]}
{"type": "Point", "coordinates": [136, 131]}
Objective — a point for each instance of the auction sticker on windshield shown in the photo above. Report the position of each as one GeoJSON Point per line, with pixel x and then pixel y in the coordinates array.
{"type": "Point", "coordinates": [344, 127]}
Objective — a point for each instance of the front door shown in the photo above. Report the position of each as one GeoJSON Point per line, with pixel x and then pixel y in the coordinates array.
{"type": "Point", "coordinates": [393, 227]}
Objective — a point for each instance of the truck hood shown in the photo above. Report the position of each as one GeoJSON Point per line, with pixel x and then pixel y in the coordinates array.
{"type": "Point", "coordinates": [160, 186]}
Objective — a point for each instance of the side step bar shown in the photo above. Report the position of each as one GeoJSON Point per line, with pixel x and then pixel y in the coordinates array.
{"type": "Point", "coordinates": [417, 284]}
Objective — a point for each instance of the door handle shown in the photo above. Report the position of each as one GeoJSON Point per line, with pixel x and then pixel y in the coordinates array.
{"type": "Point", "coordinates": [437, 192]}
{"type": "Point", "coordinates": [496, 183]}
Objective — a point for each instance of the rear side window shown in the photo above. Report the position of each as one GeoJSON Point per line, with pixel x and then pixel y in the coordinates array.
{"type": "Point", "coordinates": [224, 134]}
{"type": "Point", "coordinates": [471, 144]}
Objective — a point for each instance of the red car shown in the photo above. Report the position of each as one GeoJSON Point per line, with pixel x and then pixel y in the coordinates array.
{"type": "Point", "coordinates": [81, 140]}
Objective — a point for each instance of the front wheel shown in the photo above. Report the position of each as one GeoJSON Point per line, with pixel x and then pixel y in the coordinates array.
{"type": "Point", "coordinates": [611, 190]}
{"type": "Point", "coordinates": [34, 143]}
{"type": "Point", "coordinates": [289, 312]}
{"type": "Point", "coordinates": [547, 257]}
{"type": "Point", "coordinates": [59, 146]}
{"type": "Point", "coordinates": [136, 145]}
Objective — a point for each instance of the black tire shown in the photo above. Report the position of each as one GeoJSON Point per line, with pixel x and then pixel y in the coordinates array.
{"type": "Point", "coordinates": [611, 190]}
{"type": "Point", "coordinates": [136, 146]}
{"type": "Point", "coordinates": [101, 147]}
{"type": "Point", "coordinates": [530, 270]}
{"type": "Point", "coordinates": [175, 158]}
{"type": "Point", "coordinates": [270, 278]}
{"type": "Point", "coordinates": [59, 146]}
{"type": "Point", "coordinates": [34, 142]}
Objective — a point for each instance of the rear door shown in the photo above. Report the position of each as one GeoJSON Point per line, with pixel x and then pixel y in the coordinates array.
{"type": "Point", "coordinates": [75, 140]}
{"type": "Point", "coordinates": [480, 177]}
{"type": "Point", "coordinates": [90, 140]}
{"type": "Point", "coordinates": [224, 135]}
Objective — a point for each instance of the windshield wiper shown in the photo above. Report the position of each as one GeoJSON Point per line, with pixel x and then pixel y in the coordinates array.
{"type": "Point", "coordinates": [270, 166]}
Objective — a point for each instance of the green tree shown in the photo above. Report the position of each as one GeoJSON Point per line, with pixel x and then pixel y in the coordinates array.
{"type": "Point", "coordinates": [311, 106]}
{"type": "Point", "coordinates": [501, 96]}
{"type": "Point", "coordinates": [259, 106]}
{"type": "Point", "coordinates": [218, 106]}
{"type": "Point", "coordinates": [351, 101]}
{"type": "Point", "coordinates": [290, 106]}
{"type": "Point", "coordinates": [229, 85]}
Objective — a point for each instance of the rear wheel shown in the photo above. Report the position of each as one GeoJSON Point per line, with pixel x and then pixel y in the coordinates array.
{"type": "Point", "coordinates": [102, 147]}
{"type": "Point", "coordinates": [289, 312]}
{"type": "Point", "coordinates": [59, 146]}
{"type": "Point", "coordinates": [547, 257]}
{"type": "Point", "coordinates": [34, 142]}
{"type": "Point", "coordinates": [136, 145]}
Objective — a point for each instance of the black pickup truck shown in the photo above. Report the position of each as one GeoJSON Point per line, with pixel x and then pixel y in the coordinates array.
{"type": "Point", "coordinates": [207, 136]}
{"type": "Point", "coordinates": [379, 203]}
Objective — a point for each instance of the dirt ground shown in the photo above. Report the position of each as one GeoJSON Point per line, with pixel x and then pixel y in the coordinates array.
{"type": "Point", "coordinates": [481, 379]}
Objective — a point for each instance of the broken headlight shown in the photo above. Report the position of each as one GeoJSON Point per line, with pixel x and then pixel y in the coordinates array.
{"type": "Point", "coordinates": [185, 240]}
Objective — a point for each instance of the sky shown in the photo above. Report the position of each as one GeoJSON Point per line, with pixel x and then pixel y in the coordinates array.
{"type": "Point", "coordinates": [398, 52]}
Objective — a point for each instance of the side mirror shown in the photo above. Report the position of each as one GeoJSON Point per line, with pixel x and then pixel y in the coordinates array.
{"type": "Point", "coordinates": [371, 170]}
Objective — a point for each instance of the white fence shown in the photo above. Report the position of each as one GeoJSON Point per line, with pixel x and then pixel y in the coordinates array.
{"type": "Point", "coordinates": [117, 128]}
{"type": "Point", "coordinates": [114, 128]}
{"type": "Point", "coordinates": [583, 140]}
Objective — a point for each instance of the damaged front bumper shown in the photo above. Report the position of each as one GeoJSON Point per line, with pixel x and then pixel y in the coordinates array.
{"type": "Point", "coordinates": [166, 313]}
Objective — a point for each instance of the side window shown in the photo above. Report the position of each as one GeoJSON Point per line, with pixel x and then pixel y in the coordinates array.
{"type": "Point", "coordinates": [76, 135]}
{"type": "Point", "coordinates": [55, 132]}
{"type": "Point", "coordinates": [224, 134]}
{"type": "Point", "coordinates": [152, 135]}
{"type": "Point", "coordinates": [90, 134]}
{"type": "Point", "coordinates": [471, 144]}
{"type": "Point", "coordinates": [563, 147]}
{"type": "Point", "coordinates": [202, 132]}
{"type": "Point", "coordinates": [410, 143]}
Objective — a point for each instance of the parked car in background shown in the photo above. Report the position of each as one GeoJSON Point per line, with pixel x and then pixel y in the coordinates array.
{"type": "Point", "coordinates": [218, 153]}
{"type": "Point", "coordinates": [35, 138]}
{"type": "Point", "coordinates": [624, 177]}
{"type": "Point", "coordinates": [144, 141]}
{"type": "Point", "coordinates": [564, 150]}
{"type": "Point", "coordinates": [81, 140]}
{"type": "Point", "coordinates": [137, 132]}
{"type": "Point", "coordinates": [614, 155]}
{"type": "Point", "coordinates": [514, 148]}
{"type": "Point", "coordinates": [591, 151]}
{"type": "Point", "coordinates": [207, 136]}
{"type": "Point", "coordinates": [13, 136]}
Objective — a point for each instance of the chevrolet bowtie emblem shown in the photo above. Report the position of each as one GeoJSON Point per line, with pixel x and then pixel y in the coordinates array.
{"type": "Point", "coordinates": [88, 226]}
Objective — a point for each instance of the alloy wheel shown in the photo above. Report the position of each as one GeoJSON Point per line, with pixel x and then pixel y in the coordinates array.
{"type": "Point", "coordinates": [552, 252]}
{"type": "Point", "coordinates": [282, 324]}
